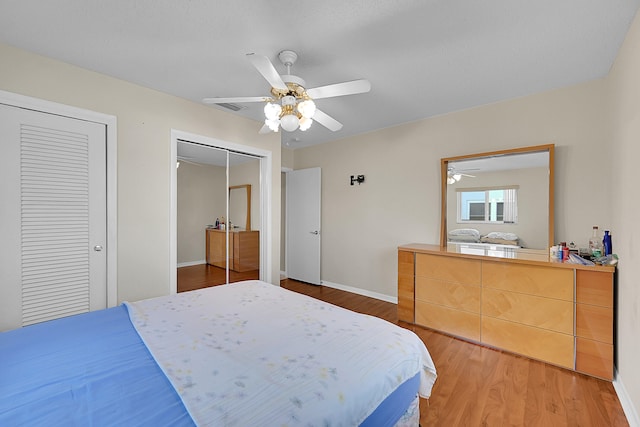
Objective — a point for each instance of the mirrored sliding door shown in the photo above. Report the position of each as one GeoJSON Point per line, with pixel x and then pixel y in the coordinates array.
{"type": "Point", "coordinates": [218, 216]}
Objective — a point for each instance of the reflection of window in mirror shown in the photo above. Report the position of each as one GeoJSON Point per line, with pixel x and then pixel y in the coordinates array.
{"type": "Point", "coordinates": [529, 170]}
{"type": "Point", "coordinates": [488, 205]}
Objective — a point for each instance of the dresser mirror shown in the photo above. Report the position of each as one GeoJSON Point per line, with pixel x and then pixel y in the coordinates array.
{"type": "Point", "coordinates": [502, 198]}
{"type": "Point", "coordinates": [240, 206]}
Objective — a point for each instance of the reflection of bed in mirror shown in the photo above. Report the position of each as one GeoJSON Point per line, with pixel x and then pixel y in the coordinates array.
{"type": "Point", "coordinates": [472, 237]}
{"type": "Point", "coordinates": [500, 193]}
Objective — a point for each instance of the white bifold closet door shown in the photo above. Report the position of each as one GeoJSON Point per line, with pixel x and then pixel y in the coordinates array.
{"type": "Point", "coordinates": [53, 217]}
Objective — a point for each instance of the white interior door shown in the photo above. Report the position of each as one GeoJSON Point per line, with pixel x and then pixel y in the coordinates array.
{"type": "Point", "coordinates": [303, 225]}
{"type": "Point", "coordinates": [53, 217]}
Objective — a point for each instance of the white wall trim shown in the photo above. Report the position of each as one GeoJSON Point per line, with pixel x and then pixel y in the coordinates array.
{"type": "Point", "coordinates": [110, 122]}
{"type": "Point", "coordinates": [625, 401]}
{"type": "Point", "coordinates": [266, 182]}
{"type": "Point", "coordinates": [359, 291]}
{"type": "Point", "coordinates": [191, 263]}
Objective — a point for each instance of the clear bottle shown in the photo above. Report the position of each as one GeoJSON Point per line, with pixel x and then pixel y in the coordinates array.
{"type": "Point", "coordinates": [595, 243]}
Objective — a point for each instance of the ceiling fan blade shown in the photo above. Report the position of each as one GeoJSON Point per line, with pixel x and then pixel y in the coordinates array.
{"type": "Point", "coordinates": [237, 99]}
{"type": "Point", "coordinates": [188, 160]}
{"type": "Point", "coordinates": [268, 71]}
{"type": "Point", "coordinates": [264, 130]}
{"type": "Point", "coordinates": [327, 121]}
{"type": "Point", "coordinates": [340, 89]}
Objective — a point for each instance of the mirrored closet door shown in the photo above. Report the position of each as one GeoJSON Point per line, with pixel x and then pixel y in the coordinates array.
{"type": "Point", "coordinates": [218, 216]}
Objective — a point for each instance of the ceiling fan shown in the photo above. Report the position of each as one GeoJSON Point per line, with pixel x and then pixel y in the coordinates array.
{"type": "Point", "coordinates": [454, 176]}
{"type": "Point", "coordinates": [291, 105]}
{"type": "Point", "coordinates": [185, 159]}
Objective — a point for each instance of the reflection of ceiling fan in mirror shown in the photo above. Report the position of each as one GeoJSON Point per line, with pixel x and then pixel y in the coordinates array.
{"type": "Point", "coordinates": [187, 160]}
{"type": "Point", "coordinates": [291, 105]}
{"type": "Point", "coordinates": [454, 176]}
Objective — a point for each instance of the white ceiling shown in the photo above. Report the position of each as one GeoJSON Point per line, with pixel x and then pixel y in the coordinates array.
{"type": "Point", "coordinates": [195, 153]}
{"type": "Point", "coordinates": [422, 57]}
{"type": "Point", "coordinates": [514, 161]}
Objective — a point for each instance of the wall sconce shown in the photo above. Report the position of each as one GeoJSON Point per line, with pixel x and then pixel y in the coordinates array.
{"type": "Point", "coordinates": [357, 178]}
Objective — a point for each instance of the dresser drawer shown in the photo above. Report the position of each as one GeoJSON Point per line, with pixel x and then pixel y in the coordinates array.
{"type": "Point", "coordinates": [594, 287]}
{"type": "Point", "coordinates": [594, 358]}
{"type": "Point", "coordinates": [455, 322]}
{"type": "Point", "coordinates": [545, 313]}
{"type": "Point", "coordinates": [406, 293]}
{"type": "Point", "coordinates": [448, 294]}
{"type": "Point", "coordinates": [541, 344]}
{"type": "Point", "coordinates": [449, 269]}
{"type": "Point", "coordinates": [405, 263]}
{"type": "Point", "coordinates": [547, 282]}
{"type": "Point", "coordinates": [594, 322]}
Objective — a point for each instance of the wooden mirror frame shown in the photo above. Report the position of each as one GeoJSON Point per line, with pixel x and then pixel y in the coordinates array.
{"type": "Point", "coordinates": [248, 188]}
{"type": "Point", "coordinates": [444, 166]}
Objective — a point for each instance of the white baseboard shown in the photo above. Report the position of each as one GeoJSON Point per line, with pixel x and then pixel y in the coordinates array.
{"type": "Point", "coordinates": [625, 401]}
{"type": "Point", "coordinates": [190, 263]}
{"type": "Point", "coordinates": [364, 292]}
{"type": "Point", "coordinates": [283, 275]}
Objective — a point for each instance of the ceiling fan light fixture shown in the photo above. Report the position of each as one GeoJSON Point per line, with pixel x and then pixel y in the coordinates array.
{"type": "Point", "coordinates": [307, 108]}
{"type": "Point", "coordinates": [272, 111]}
{"type": "Point", "coordinates": [272, 124]}
{"type": "Point", "coordinates": [305, 123]}
{"type": "Point", "coordinates": [289, 122]}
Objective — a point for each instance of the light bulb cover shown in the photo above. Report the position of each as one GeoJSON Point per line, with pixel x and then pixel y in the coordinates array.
{"type": "Point", "coordinates": [305, 123]}
{"type": "Point", "coordinates": [272, 111]}
{"type": "Point", "coordinates": [289, 122]}
{"type": "Point", "coordinates": [457, 176]}
{"type": "Point", "coordinates": [272, 124]}
{"type": "Point", "coordinates": [307, 108]}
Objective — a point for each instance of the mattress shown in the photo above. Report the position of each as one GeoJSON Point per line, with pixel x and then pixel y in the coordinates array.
{"type": "Point", "coordinates": [240, 354]}
{"type": "Point", "coordinates": [89, 369]}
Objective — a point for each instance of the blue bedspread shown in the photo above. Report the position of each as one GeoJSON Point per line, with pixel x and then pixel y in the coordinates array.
{"type": "Point", "coordinates": [85, 370]}
{"type": "Point", "coordinates": [93, 369]}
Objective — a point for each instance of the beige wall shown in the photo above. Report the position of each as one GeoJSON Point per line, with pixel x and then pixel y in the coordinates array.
{"type": "Point", "coordinates": [287, 158]}
{"type": "Point", "coordinates": [399, 203]}
{"type": "Point", "coordinates": [533, 208]}
{"type": "Point", "coordinates": [145, 119]}
{"type": "Point", "coordinates": [622, 200]}
{"type": "Point", "coordinates": [201, 196]}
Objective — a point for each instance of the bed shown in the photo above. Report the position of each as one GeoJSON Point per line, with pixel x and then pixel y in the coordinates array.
{"type": "Point", "coordinates": [473, 236]}
{"type": "Point", "coordinates": [243, 354]}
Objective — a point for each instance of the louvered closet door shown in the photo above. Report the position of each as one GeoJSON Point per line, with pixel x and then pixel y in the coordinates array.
{"type": "Point", "coordinates": [53, 217]}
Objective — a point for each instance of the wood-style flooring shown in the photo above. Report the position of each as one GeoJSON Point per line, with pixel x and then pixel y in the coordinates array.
{"type": "Point", "coordinates": [476, 385]}
{"type": "Point", "coordinates": [205, 275]}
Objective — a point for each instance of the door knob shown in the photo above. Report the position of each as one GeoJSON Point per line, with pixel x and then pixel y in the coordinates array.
{"type": "Point", "coordinates": [97, 248]}
{"type": "Point", "coordinates": [314, 232]}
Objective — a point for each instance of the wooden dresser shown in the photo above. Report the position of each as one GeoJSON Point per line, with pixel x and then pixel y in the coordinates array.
{"type": "Point", "coordinates": [244, 249]}
{"type": "Point", "coordinates": [512, 299]}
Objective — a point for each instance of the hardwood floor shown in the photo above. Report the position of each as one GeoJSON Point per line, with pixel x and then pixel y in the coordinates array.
{"type": "Point", "coordinates": [479, 386]}
{"type": "Point", "coordinates": [205, 275]}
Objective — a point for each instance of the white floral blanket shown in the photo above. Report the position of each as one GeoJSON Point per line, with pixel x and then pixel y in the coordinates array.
{"type": "Point", "coordinates": [253, 354]}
